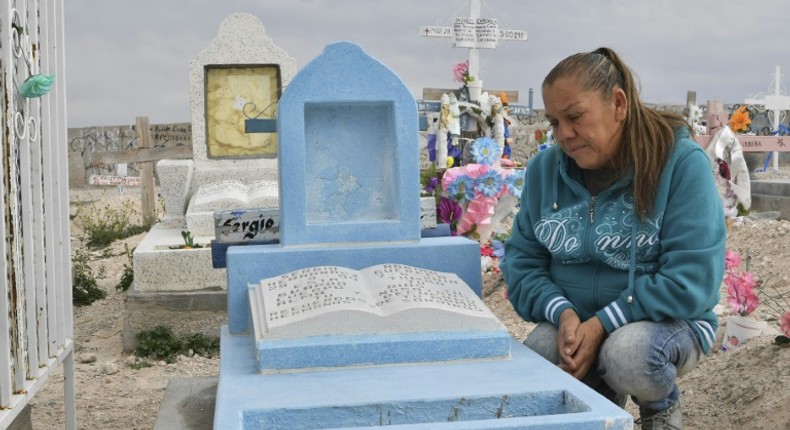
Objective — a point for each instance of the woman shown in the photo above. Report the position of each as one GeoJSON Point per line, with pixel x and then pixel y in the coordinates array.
{"type": "Point", "coordinates": [626, 320]}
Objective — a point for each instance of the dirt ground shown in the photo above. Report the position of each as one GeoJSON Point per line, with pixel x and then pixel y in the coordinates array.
{"type": "Point", "coordinates": [745, 388]}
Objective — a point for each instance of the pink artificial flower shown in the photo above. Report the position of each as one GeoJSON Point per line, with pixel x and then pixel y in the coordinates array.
{"type": "Point", "coordinates": [732, 260]}
{"type": "Point", "coordinates": [460, 71]}
{"type": "Point", "coordinates": [740, 293]}
{"type": "Point", "coordinates": [784, 323]}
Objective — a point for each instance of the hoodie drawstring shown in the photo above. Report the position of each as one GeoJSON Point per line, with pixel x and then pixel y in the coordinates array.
{"type": "Point", "coordinates": [632, 263]}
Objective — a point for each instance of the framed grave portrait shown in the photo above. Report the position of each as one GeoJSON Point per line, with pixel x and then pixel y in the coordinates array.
{"type": "Point", "coordinates": [232, 95]}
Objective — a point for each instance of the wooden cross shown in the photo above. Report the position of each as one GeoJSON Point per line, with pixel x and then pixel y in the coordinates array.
{"type": "Point", "coordinates": [474, 33]}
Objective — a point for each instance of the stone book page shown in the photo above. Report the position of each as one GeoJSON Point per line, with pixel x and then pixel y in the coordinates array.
{"type": "Point", "coordinates": [227, 194]}
{"type": "Point", "coordinates": [380, 290]}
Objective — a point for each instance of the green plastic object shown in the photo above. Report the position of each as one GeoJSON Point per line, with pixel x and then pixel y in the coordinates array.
{"type": "Point", "coordinates": [37, 86]}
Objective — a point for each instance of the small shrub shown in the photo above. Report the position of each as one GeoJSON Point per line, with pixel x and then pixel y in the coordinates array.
{"type": "Point", "coordinates": [102, 227]}
{"type": "Point", "coordinates": [84, 287]}
{"type": "Point", "coordinates": [160, 343]}
{"type": "Point", "coordinates": [127, 277]}
{"type": "Point", "coordinates": [142, 364]}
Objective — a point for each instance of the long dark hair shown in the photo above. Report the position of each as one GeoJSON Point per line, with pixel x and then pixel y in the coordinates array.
{"type": "Point", "coordinates": [648, 134]}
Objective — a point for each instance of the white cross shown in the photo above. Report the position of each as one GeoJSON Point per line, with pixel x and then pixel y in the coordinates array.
{"type": "Point", "coordinates": [474, 33]}
{"type": "Point", "coordinates": [777, 103]}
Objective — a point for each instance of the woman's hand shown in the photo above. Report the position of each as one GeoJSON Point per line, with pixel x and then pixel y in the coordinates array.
{"type": "Point", "coordinates": [590, 336]}
{"type": "Point", "coordinates": [566, 338]}
{"type": "Point", "coordinates": [578, 344]}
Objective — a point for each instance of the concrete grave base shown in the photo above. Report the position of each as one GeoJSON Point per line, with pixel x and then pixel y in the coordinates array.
{"type": "Point", "coordinates": [185, 313]}
{"type": "Point", "coordinates": [524, 392]}
{"type": "Point", "coordinates": [159, 267]}
{"type": "Point", "coordinates": [188, 404]}
{"type": "Point", "coordinates": [771, 195]}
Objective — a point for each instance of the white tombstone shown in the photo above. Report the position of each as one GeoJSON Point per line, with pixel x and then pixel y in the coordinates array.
{"type": "Point", "coordinates": [251, 73]}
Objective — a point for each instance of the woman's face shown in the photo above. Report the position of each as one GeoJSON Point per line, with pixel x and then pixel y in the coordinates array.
{"type": "Point", "coordinates": [587, 126]}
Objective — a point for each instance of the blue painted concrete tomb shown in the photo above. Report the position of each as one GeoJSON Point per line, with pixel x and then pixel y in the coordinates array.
{"type": "Point", "coordinates": [349, 194]}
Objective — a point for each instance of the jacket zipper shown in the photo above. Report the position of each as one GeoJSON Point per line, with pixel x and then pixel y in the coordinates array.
{"type": "Point", "coordinates": [592, 209]}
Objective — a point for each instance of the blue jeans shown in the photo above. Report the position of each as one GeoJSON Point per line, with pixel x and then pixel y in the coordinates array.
{"type": "Point", "coordinates": [641, 359]}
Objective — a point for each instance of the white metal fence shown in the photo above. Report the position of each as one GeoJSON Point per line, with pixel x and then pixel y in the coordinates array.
{"type": "Point", "coordinates": [36, 330]}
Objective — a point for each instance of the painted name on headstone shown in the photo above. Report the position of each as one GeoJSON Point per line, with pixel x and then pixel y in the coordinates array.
{"type": "Point", "coordinates": [247, 225]}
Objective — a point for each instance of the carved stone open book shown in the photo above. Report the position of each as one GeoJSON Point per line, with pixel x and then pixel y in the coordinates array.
{"type": "Point", "coordinates": [385, 298]}
{"type": "Point", "coordinates": [232, 194]}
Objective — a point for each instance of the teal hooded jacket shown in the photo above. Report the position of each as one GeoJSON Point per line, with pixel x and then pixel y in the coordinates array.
{"type": "Point", "coordinates": [570, 249]}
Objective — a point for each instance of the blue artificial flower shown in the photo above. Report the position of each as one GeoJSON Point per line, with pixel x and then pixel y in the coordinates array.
{"type": "Point", "coordinates": [463, 187]}
{"type": "Point", "coordinates": [485, 151]}
{"type": "Point", "coordinates": [499, 248]}
{"type": "Point", "coordinates": [515, 182]}
{"type": "Point", "coordinates": [489, 183]}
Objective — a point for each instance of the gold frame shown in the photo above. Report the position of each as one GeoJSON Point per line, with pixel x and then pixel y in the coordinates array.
{"type": "Point", "coordinates": [234, 93]}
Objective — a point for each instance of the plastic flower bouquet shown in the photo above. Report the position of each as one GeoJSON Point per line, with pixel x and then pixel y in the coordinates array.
{"type": "Point", "coordinates": [485, 192]}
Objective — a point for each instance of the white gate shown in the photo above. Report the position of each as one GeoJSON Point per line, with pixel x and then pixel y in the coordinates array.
{"type": "Point", "coordinates": [36, 330]}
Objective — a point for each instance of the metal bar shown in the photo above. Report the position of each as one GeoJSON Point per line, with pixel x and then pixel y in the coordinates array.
{"type": "Point", "coordinates": [6, 364]}
{"type": "Point", "coordinates": [30, 212]}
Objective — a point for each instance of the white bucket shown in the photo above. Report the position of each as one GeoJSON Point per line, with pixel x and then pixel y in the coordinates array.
{"type": "Point", "coordinates": [739, 330]}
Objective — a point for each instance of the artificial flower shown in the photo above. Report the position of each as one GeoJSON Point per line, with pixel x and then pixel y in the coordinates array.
{"type": "Point", "coordinates": [739, 121]}
{"type": "Point", "coordinates": [431, 186]}
{"type": "Point", "coordinates": [485, 151]}
{"type": "Point", "coordinates": [784, 325]}
{"type": "Point", "coordinates": [450, 161]}
{"type": "Point", "coordinates": [499, 248]}
{"type": "Point", "coordinates": [486, 263]}
{"type": "Point", "coordinates": [740, 293]}
{"type": "Point", "coordinates": [731, 260]}
{"type": "Point", "coordinates": [515, 182]}
{"type": "Point", "coordinates": [489, 184]}
{"type": "Point", "coordinates": [463, 187]}
{"type": "Point", "coordinates": [486, 251]}
{"type": "Point", "coordinates": [461, 72]}
{"type": "Point", "coordinates": [477, 216]}
{"type": "Point", "coordinates": [449, 211]}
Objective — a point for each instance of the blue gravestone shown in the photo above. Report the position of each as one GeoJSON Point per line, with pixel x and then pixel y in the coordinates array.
{"type": "Point", "coordinates": [349, 190]}
{"type": "Point", "coordinates": [348, 129]}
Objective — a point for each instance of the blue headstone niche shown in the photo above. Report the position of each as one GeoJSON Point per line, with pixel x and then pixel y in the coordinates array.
{"type": "Point", "coordinates": [349, 151]}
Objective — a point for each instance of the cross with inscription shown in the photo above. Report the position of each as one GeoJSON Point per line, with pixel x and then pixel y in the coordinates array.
{"type": "Point", "coordinates": [474, 33]}
{"type": "Point", "coordinates": [777, 103]}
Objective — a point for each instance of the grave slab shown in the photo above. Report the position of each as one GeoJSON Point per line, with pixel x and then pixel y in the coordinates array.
{"type": "Point", "coordinates": [524, 392]}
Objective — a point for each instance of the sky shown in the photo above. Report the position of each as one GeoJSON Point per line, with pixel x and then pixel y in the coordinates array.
{"type": "Point", "coordinates": [126, 59]}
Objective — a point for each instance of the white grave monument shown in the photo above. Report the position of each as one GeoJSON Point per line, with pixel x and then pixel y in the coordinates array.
{"type": "Point", "coordinates": [239, 75]}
